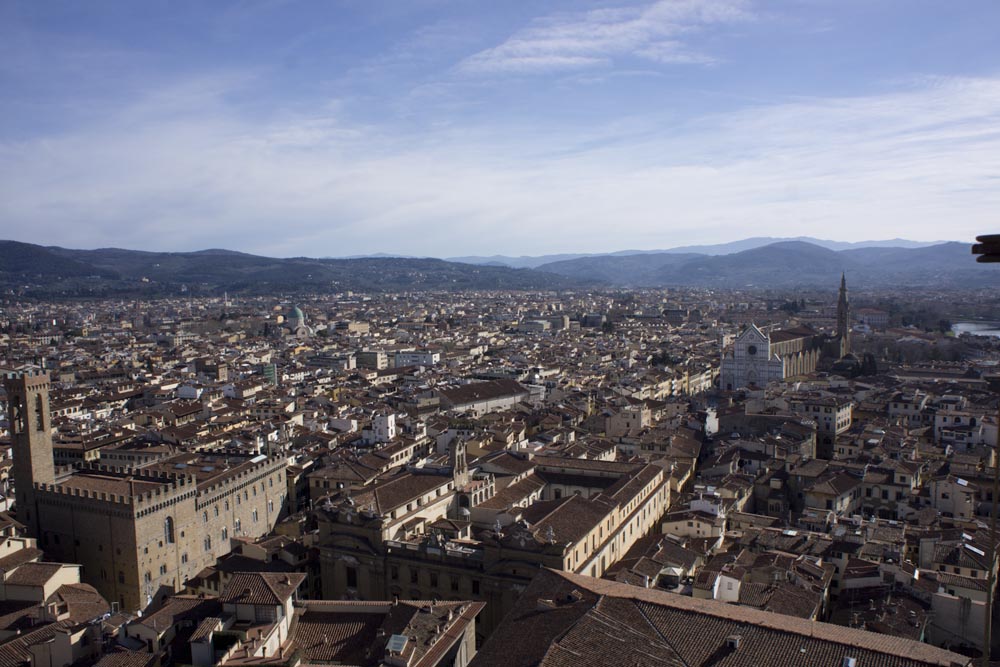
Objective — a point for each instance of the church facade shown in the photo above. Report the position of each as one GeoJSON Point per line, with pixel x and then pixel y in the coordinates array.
{"type": "Point", "coordinates": [757, 358]}
{"type": "Point", "coordinates": [750, 362]}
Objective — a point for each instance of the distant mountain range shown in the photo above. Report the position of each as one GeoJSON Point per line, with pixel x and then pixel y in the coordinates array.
{"type": "Point", "coordinates": [55, 272]}
{"type": "Point", "coordinates": [789, 264]}
{"type": "Point", "coordinates": [533, 262]}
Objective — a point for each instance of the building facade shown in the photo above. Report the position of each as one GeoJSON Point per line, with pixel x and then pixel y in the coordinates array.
{"type": "Point", "coordinates": [750, 362]}
{"type": "Point", "coordinates": [138, 532]}
{"type": "Point", "coordinates": [757, 358]}
{"type": "Point", "coordinates": [451, 536]}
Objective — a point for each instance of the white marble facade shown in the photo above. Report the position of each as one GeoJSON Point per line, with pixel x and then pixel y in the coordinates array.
{"type": "Point", "coordinates": [750, 362]}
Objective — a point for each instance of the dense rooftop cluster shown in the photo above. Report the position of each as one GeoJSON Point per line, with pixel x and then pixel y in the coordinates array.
{"type": "Point", "coordinates": [404, 479]}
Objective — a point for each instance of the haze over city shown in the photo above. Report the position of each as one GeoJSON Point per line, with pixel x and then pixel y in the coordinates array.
{"type": "Point", "coordinates": [436, 128]}
{"type": "Point", "coordinates": [455, 333]}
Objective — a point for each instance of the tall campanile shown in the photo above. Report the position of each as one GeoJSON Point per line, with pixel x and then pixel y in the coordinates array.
{"type": "Point", "coordinates": [843, 318]}
{"type": "Point", "coordinates": [31, 441]}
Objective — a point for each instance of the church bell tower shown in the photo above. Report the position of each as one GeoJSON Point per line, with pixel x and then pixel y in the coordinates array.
{"type": "Point", "coordinates": [459, 465]}
{"type": "Point", "coordinates": [31, 441]}
{"type": "Point", "coordinates": [843, 318]}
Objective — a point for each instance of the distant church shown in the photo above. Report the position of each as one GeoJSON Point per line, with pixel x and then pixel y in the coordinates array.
{"type": "Point", "coordinates": [757, 358]}
{"type": "Point", "coordinates": [297, 326]}
{"type": "Point", "coordinates": [293, 326]}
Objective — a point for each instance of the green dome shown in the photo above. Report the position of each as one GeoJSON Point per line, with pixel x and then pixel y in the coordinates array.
{"type": "Point", "coordinates": [297, 315]}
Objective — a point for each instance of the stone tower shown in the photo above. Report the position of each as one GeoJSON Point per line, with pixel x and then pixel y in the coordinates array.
{"type": "Point", "coordinates": [459, 465]}
{"type": "Point", "coordinates": [31, 441]}
{"type": "Point", "coordinates": [843, 318]}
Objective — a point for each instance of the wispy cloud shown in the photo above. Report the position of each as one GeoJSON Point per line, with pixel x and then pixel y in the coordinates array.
{"type": "Point", "coordinates": [921, 163]}
{"type": "Point", "coordinates": [653, 32]}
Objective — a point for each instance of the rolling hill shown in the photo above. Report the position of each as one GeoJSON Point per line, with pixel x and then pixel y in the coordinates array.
{"type": "Point", "coordinates": [790, 264]}
{"type": "Point", "coordinates": [726, 248]}
{"type": "Point", "coordinates": [54, 271]}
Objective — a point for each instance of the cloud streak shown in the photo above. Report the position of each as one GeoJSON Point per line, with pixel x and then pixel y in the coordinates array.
{"type": "Point", "coordinates": [572, 41]}
{"type": "Point", "coordinates": [922, 163]}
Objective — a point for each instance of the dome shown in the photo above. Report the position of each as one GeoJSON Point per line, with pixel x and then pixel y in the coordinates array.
{"type": "Point", "coordinates": [298, 315]}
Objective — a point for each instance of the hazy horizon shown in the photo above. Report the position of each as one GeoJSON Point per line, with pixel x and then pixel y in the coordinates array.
{"type": "Point", "coordinates": [453, 256]}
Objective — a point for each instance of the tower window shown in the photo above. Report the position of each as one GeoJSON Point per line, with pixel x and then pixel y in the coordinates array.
{"type": "Point", "coordinates": [39, 413]}
{"type": "Point", "coordinates": [168, 530]}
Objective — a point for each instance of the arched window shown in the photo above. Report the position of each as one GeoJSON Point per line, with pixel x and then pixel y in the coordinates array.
{"type": "Point", "coordinates": [39, 413]}
{"type": "Point", "coordinates": [204, 516]}
{"type": "Point", "coordinates": [168, 530]}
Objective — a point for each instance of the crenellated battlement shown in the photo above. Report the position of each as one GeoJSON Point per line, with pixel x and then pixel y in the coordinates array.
{"type": "Point", "coordinates": [76, 492]}
{"type": "Point", "coordinates": [31, 379]}
{"type": "Point", "coordinates": [229, 483]}
{"type": "Point", "coordinates": [171, 486]}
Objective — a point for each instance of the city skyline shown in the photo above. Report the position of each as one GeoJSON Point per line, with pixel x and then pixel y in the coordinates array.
{"type": "Point", "coordinates": [444, 129]}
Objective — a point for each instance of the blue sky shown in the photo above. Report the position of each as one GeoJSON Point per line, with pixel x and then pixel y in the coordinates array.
{"type": "Point", "coordinates": [443, 128]}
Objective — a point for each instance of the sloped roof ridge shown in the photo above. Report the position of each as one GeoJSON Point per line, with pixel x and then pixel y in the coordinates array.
{"type": "Point", "coordinates": [772, 621]}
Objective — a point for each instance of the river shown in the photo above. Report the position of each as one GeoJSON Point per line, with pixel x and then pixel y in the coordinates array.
{"type": "Point", "coordinates": [977, 328]}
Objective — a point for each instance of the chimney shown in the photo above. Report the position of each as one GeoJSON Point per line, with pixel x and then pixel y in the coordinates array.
{"type": "Point", "coordinates": [545, 604]}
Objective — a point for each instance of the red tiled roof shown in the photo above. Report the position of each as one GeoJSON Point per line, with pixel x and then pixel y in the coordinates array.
{"type": "Point", "coordinates": [565, 619]}
{"type": "Point", "coordinates": [263, 588]}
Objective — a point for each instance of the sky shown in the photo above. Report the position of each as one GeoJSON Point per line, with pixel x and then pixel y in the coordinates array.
{"type": "Point", "coordinates": [475, 127]}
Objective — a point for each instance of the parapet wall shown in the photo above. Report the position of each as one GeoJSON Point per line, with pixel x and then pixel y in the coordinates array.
{"type": "Point", "coordinates": [174, 487]}
{"type": "Point", "coordinates": [33, 380]}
